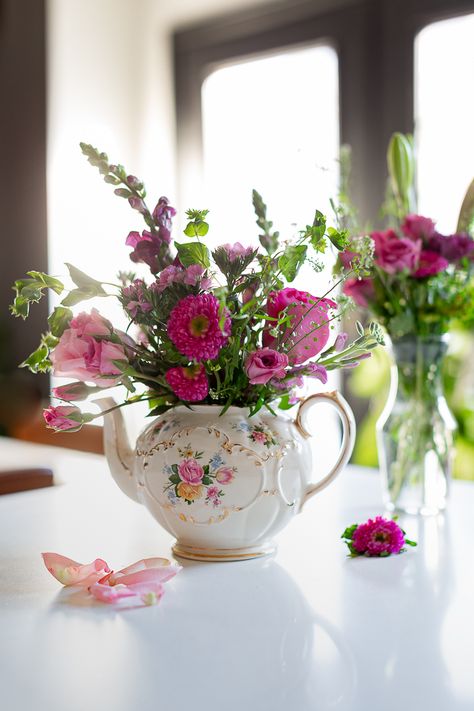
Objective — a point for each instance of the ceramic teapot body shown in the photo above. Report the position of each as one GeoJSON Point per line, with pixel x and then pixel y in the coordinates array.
{"type": "Point", "coordinates": [223, 485]}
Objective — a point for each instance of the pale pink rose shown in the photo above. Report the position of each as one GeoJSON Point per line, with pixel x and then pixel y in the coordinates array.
{"type": "Point", "coordinates": [393, 253]}
{"type": "Point", "coordinates": [309, 328]}
{"type": "Point", "coordinates": [190, 471]}
{"type": "Point", "coordinates": [59, 418]}
{"type": "Point", "coordinates": [79, 355]}
{"type": "Point", "coordinates": [224, 475]}
{"type": "Point", "coordinates": [265, 364]}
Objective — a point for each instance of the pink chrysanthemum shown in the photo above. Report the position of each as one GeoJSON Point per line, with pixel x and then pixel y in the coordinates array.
{"type": "Point", "coordinates": [194, 327]}
{"type": "Point", "coordinates": [378, 536]}
{"type": "Point", "coordinates": [189, 384]}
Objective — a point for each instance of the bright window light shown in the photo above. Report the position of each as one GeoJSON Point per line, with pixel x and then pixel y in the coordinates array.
{"type": "Point", "coordinates": [444, 110]}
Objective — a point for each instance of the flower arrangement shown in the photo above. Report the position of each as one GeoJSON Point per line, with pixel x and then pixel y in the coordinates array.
{"type": "Point", "coordinates": [421, 280]}
{"type": "Point", "coordinates": [222, 326]}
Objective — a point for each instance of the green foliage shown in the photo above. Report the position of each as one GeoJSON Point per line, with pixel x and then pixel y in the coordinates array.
{"type": "Point", "coordinates": [59, 320]}
{"type": "Point", "coordinates": [31, 290]}
{"type": "Point", "coordinates": [268, 238]}
{"type": "Point", "coordinates": [197, 226]}
{"type": "Point", "coordinates": [291, 261]}
{"type": "Point", "coordinates": [87, 287]}
{"type": "Point", "coordinates": [193, 253]}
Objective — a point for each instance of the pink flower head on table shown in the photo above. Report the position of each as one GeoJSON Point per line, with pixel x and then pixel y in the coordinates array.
{"type": "Point", "coordinates": [141, 582]}
{"type": "Point", "coordinates": [377, 537]}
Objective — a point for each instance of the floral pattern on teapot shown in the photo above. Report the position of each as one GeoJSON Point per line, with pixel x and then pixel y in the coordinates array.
{"type": "Point", "coordinates": [191, 480]}
{"type": "Point", "coordinates": [257, 433]}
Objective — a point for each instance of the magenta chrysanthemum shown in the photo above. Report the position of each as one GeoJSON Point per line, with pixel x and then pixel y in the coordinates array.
{"type": "Point", "coordinates": [194, 327]}
{"type": "Point", "coordinates": [378, 536]}
{"type": "Point", "coordinates": [189, 384]}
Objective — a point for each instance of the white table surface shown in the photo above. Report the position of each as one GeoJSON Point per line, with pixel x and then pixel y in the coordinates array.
{"type": "Point", "coordinates": [307, 630]}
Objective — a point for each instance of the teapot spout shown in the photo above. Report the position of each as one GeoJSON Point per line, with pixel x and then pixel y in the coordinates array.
{"type": "Point", "coordinates": [118, 452]}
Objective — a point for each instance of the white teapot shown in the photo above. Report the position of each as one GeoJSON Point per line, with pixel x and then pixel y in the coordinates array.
{"type": "Point", "coordinates": [223, 485]}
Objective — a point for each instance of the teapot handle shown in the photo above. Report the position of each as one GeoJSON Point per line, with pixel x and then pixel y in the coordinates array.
{"type": "Point", "coordinates": [348, 435]}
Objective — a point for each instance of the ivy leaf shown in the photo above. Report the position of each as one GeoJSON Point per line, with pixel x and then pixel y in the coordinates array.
{"type": "Point", "coordinates": [47, 281]}
{"type": "Point", "coordinates": [338, 238]}
{"type": "Point", "coordinates": [31, 291]}
{"type": "Point", "coordinates": [59, 320]}
{"type": "Point", "coordinates": [195, 253]}
{"type": "Point", "coordinates": [291, 260]}
{"type": "Point", "coordinates": [38, 361]}
{"type": "Point", "coordinates": [85, 282]}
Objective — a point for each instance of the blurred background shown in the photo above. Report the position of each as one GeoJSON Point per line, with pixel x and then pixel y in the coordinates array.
{"type": "Point", "coordinates": [205, 101]}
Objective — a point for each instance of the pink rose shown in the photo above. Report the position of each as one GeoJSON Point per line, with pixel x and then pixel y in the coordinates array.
{"type": "Point", "coordinates": [360, 290]}
{"type": "Point", "coordinates": [309, 316]}
{"type": "Point", "coordinates": [79, 355]}
{"type": "Point", "coordinates": [71, 391]}
{"type": "Point", "coordinates": [417, 227]}
{"type": "Point", "coordinates": [225, 475]}
{"type": "Point", "coordinates": [265, 364]}
{"type": "Point", "coordinates": [190, 471]}
{"type": "Point", "coordinates": [430, 263]}
{"type": "Point", "coordinates": [393, 253]}
{"type": "Point", "coordinates": [259, 437]}
{"type": "Point", "coordinates": [59, 418]}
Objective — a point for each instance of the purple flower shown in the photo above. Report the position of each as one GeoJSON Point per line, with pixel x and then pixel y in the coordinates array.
{"type": "Point", "coordinates": [137, 204]}
{"type": "Point", "coordinates": [417, 227]}
{"type": "Point", "coordinates": [162, 215]}
{"type": "Point", "coordinates": [340, 342]}
{"type": "Point", "coordinates": [135, 299]}
{"type": "Point", "coordinates": [453, 247]}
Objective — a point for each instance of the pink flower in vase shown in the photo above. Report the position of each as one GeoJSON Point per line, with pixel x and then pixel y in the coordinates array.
{"type": "Point", "coordinates": [189, 384]}
{"type": "Point", "coordinates": [362, 291]}
{"type": "Point", "coordinates": [393, 253]}
{"type": "Point", "coordinates": [265, 364]}
{"type": "Point", "coordinates": [430, 263]}
{"type": "Point", "coordinates": [59, 418]}
{"type": "Point", "coordinates": [194, 328]}
{"type": "Point", "coordinates": [190, 471]}
{"type": "Point", "coordinates": [418, 227]}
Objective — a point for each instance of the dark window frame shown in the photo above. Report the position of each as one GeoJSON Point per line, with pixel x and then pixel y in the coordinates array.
{"type": "Point", "coordinates": [375, 44]}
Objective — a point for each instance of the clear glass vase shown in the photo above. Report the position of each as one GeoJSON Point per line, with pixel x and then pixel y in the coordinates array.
{"type": "Point", "coordinates": [416, 428]}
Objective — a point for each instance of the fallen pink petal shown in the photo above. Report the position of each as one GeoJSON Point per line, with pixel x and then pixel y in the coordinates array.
{"type": "Point", "coordinates": [69, 572]}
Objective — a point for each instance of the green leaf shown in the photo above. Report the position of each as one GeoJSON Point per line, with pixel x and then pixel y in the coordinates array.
{"type": "Point", "coordinates": [47, 281]}
{"type": "Point", "coordinates": [31, 291]}
{"type": "Point", "coordinates": [194, 253]}
{"type": "Point", "coordinates": [202, 229]}
{"type": "Point", "coordinates": [175, 479]}
{"type": "Point", "coordinates": [285, 403]}
{"type": "Point", "coordinates": [77, 295]}
{"type": "Point", "coordinates": [83, 281]}
{"type": "Point", "coordinates": [349, 532]}
{"type": "Point", "coordinates": [37, 361]}
{"type": "Point", "coordinates": [174, 467]}
{"type": "Point", "coordinates": [206, 480]}
{"type": "Point", "coordinates": [291, 261]}
{"type": "Point", "coordinates": [59, 320]}
{"type": "Point", "coordinates": [338, 238]}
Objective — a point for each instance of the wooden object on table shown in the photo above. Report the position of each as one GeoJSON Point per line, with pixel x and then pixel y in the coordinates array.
{"type": "Point", "coordinates": [24, 479]}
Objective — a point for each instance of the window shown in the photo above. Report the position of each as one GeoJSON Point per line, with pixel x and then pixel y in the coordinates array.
{"type": "Point", "coordinates": [444, 110]}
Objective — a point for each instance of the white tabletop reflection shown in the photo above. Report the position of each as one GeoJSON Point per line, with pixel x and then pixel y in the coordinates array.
{"type": "Point", "coordinates": [308, 629]}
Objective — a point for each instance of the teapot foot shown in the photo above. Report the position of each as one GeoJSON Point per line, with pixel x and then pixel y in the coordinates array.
{"type": "Point", "coordinates": [223, 555]}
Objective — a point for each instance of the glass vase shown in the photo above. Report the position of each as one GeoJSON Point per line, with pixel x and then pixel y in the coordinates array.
{"type": "Point", "coordinates": [415, 431]}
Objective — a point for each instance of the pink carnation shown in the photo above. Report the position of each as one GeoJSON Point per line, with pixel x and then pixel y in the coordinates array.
{"type": "Point", "coordinates": [430, 263]}
{"type": "Point", "coordinates": [79, 355]}
{"type": "Point", "coordinates": [189, 384]}
{"type": "Point", "coordinates": [393, 253]}
{"type": "Point", "coordinates": [308, 331]}
{"type": "Point", "coordinates": [360, 290]}
{"type": "Point", "coordinates": [265, 364]}
{"type": "Point", "coordinates": [194, 328]}
{"type": "Point", "coordinates": [378, 536]}
{"type": "Point", "coordinates": [59, 418]}
{"type": "Point", "coordinates": [417, 227]}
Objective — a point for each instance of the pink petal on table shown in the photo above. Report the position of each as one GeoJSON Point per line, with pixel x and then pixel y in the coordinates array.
{"type": "Point", "coordinates": [69, 572]}
{"type": "Point", "coordinates": [146, 570]}
{"type": "Point", "coordinates": [146, 593]}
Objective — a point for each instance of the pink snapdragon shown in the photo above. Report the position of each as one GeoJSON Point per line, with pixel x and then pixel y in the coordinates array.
{"type": "Point", "coordinates": [395, 254]}
{"type": "Point", "coordinates": [308, 331]}
{"type": "Point", "coordinates": [59, 418]}
{"type": "Point", "coordinates": [265, 364]}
